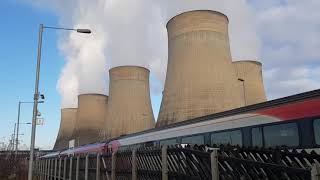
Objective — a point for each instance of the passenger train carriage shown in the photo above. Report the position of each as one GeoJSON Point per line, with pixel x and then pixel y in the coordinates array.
{"type": "Point", "coordinates": [291, 122]}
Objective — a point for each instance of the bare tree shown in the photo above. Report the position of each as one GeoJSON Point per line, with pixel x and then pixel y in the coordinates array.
{"type": "Point", "coordinates": [3, 144]}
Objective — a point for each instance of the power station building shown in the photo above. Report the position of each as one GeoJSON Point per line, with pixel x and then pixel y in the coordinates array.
{"type": "Point", "coordinates": [200, 78]}
{"type": "Point", "coordinates": [91, 119]}
{"type": "Point", "coordinates": [249, 74]}
{"type": "Point", "coordinates": [129, 106]}
{"type": "Point", "coordinates": [67, 123]}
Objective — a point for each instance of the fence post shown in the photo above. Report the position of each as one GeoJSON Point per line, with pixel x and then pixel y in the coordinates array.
{"type": "Point", "coordinates": [86, 167]}
{"type": "Point", "coordinates": [70, 168]}
{"type": "Point", "coordinates": [164, 158]}
{"type": "Point", "coordinates": [77, 168]}
{"type": "Point", "coordinates": [43, 169]}
{"type": "Point", "coordinates": [41, 173]}
{"type": "Point", "coordinates": [47, 170]}
{"type": "Point", "coordinates": [134, 164]}
{"type": "Point", "coordinates": [55, 169]}
{"type": "Point", "coordinates": [59, 170]}
{"type": "Point", "coordinates": [98, 167]}
{"type": "Point", "coordinates": [51, 169]}
{"type": "Point", "coordinates": [64, 168]}
{"type": "Point", "coordinates": [315, 172]}
{"type": "Point", "coordinates": [39, 170]}
{"type": "Point", "coordinates": [113, 168]}
{"type": "Point", "coordinates": [36, 169]}
{"type": "Point", "coordinates": [214, 164]}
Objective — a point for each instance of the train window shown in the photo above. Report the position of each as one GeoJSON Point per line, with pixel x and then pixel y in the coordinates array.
{"type": "Point", "coordinates": [150, 144]}
{"type": "Point", "coordinates": [281, 135]}
{"type": "Point", "coordinates": [256, 134]}
{"type": "Point", "coordinates": [316, 128]}
{"type": "Point", "coordinates": [199, 139]}
{"type": "Point", "coordinates": [168, 142]}
{"type": "Point", "coordinates": [228, 137]}
{"type": "Point", "coordinates": [135, 146]}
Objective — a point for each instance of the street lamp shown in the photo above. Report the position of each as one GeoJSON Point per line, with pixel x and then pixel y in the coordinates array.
{"type": "Point", "coordinates": [18, 122]}
{"type": "Point", "coordinates": [244, 91]}
{"type": "Point", "coordinates": [36, 90]}
{"type": "Point", "coordinates": [16, 135]}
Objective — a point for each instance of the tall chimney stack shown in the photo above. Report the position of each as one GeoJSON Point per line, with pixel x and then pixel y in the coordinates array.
{"type": "Point", "coordinates": [91, 119]}
{"type": "Point", "coordinates": [249, 74]}
{"type": "Point", "coordinates": [67, 123]}
{"type": "Point", "coordinates": [200, 79]}
{"type": "Point", "coordinates": [129, 106]}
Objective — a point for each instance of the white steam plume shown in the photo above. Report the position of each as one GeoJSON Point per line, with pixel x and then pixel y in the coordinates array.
{"type": "Point", "coordinates": [132, 32]}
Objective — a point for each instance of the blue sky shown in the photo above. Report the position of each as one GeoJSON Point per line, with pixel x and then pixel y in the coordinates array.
{"type": "Point", "coordinates": [19, 35]}
{"type": "Point", "coordinates": [18, 54]}
{"type": "Point", "coordinates": [281, 34]}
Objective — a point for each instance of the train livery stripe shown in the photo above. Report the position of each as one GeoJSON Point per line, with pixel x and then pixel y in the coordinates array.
{"type": "Point", "coordinates": [303, 109]}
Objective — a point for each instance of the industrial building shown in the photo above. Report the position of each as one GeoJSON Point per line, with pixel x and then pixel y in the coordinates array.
{"type": "Point", "coordinates": [91, 119]}
{"type": "Point", "coordinates": [249, 74]}
{"type": "Point", "coordinates": [200, 79]}
{"type": "Point", "coordinates": [67, 124]}
{"type": "Point", "coordinates": [129, 106]}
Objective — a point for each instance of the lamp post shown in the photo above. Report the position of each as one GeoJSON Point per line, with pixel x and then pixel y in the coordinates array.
{"type": "Point", "coordinates": [244, 91]}
{"type": "Point", "coordinates": [36, 90]}
{"type": "Point", "coordinates": [18, 123]}
{"type": "Point", "coordinates": [16, 135]}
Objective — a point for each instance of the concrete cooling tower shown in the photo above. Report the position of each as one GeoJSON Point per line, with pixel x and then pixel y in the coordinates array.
{"type": "Point", "coordinates": [250, 78]}
{"type": "Point", "coordinates": [91, 119]}
{"type": "Point", "coordinates": [68, 119]}
{"type": "Point", "coordinates": [200, 79]}
{"type": "Point", "coordinates": [129, 106]}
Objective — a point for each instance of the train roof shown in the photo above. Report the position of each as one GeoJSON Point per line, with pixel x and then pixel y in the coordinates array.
{"type": "Point", "coordinates": [246, 109]}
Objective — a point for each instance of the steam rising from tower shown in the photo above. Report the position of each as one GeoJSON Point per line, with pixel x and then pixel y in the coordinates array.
{"type": "Point", "coordinates": [200, 79]}
{"type": "Point", "coordinates": [91, 117]}
{"type": "Point", "coordinates": [129, 106]}
{"type": "Point", "coordinates": [68, 119]}
{"type": "Point", "coordinates": [252, 85]}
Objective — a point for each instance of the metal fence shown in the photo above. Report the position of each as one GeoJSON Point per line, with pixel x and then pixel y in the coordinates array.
{"type": "Point", "coordinates": [266, 164]}
{"type": "Point", "coordinates": [183, 163]}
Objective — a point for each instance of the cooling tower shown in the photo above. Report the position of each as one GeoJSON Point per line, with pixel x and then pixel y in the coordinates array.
{"type": "Point", "coordinates": [91, 119]}
{"type": "Point", "coordinates": [68, 119]}
{"type": "Point", "coordinates": [129, 106]}
{"type": "Point", "coordinates": [200, 77]}
{"type": "Point", "coordinates": [249, 74]}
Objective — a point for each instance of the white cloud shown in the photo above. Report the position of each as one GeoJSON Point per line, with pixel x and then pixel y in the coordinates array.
{"type": "Point", "coordinates": [289, 31]}
{"type": "Point", "coordinates": [284, 81]}
{"type": "Point", "coordinates": [290, 47]}
{"type": "Point", "coordinates": [132, 32]}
